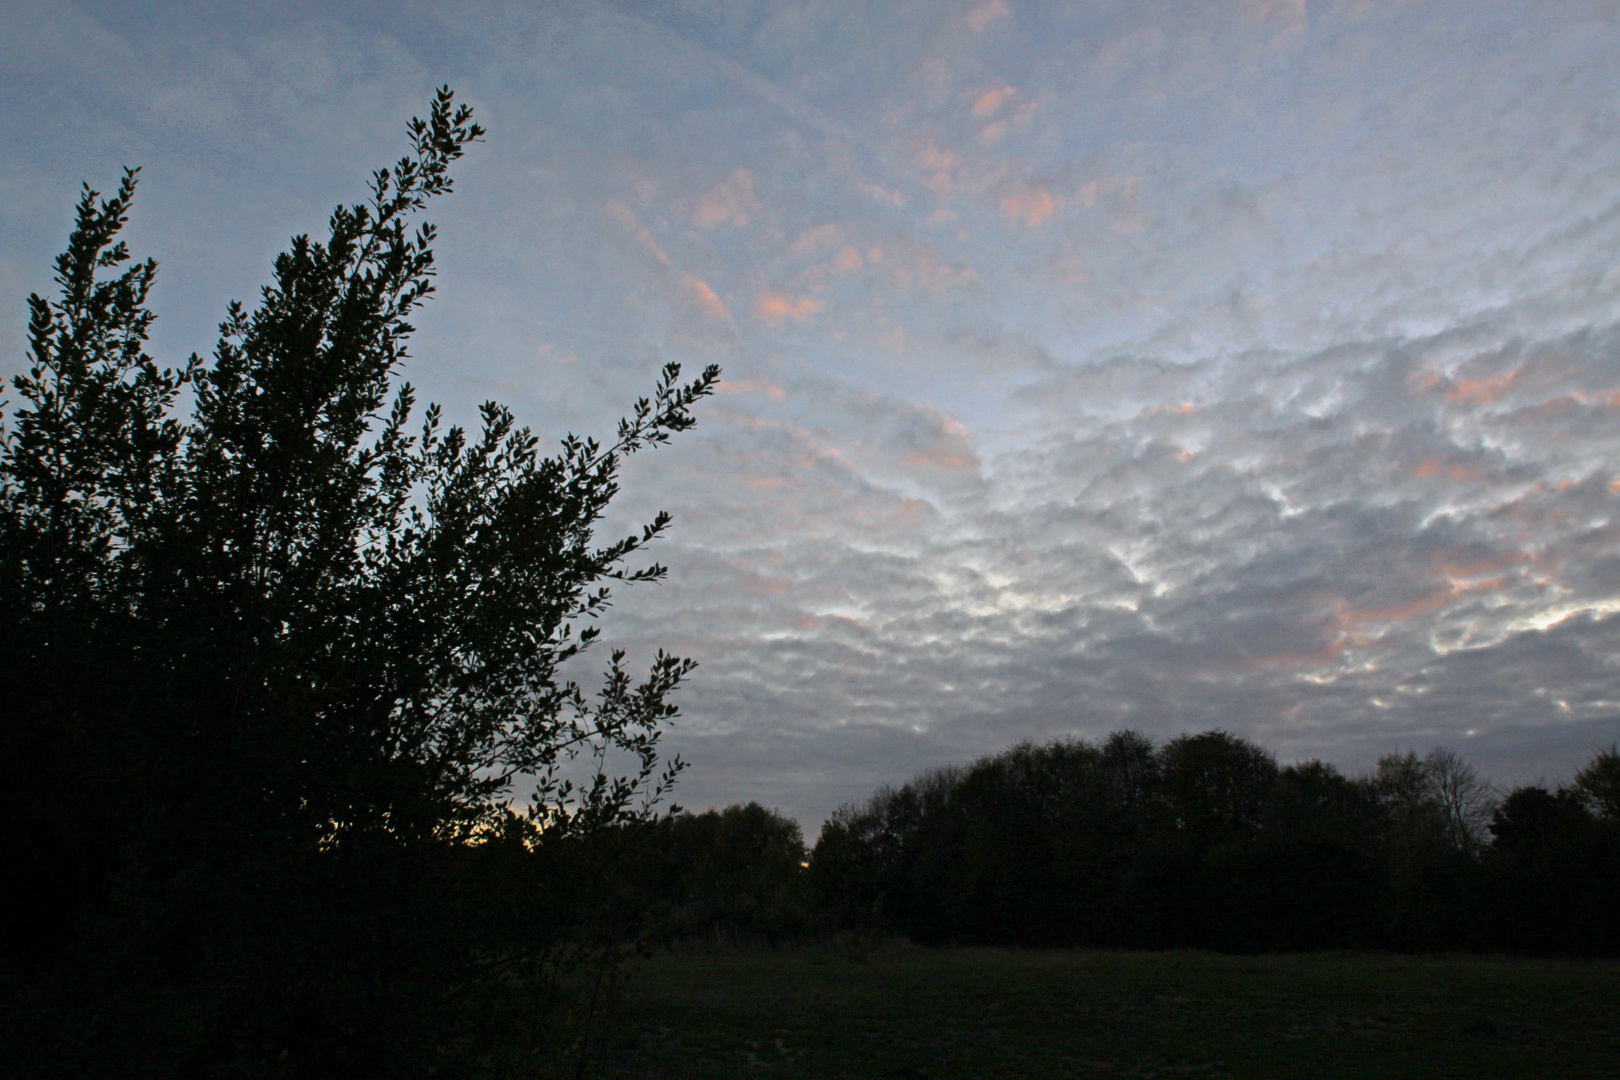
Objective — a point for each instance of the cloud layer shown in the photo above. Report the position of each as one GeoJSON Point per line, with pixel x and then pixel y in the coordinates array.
{"type": "Point", "coordinates": [1087, 364]}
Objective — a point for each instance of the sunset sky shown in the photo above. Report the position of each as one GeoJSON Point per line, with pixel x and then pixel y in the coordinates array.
{"type": "Point", "coordinates": [1250, 364]}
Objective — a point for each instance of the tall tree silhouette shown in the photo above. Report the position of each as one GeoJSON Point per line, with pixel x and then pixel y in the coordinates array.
{"type": "Point", "coordinates": [282, 645]}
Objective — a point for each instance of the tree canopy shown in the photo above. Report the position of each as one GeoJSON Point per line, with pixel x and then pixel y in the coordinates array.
{"type": "Point", "coordinates": [1205, 841]}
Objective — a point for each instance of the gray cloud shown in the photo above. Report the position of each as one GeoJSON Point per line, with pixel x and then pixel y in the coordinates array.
{"type": "Point", "coordinates": [1389, 543]}
{"type": "Point", "coordinates": [1087, 366]}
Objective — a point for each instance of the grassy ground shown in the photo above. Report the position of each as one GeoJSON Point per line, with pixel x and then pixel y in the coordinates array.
{"type": "Point", "coordinates": [984, 1013]}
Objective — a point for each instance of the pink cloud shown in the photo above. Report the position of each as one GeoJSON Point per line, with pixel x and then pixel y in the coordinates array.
{"type": "Point", "coordinates": [985, 14]}
{"type": "Point", "coordinates": [732, 202]}
{"type": "Point", "coordinates": [1482, 391]}
{"type": "Point", "coordinates": [706, 299]}
{"type": "Point", "coordinates": [1030, 205]}
{"type": "Point", "coordinates": [1458, 472]}
{"type": "Point", "coordinates": [774, 307]}
{"type": "Point", "coordinates": [937, 159]}
{"type": "Point", "coordinates": [751, 386]}
{"type": "Point", "coordinates": [991, 101]}
{"type": "Point", "coordinates": [949, 458]}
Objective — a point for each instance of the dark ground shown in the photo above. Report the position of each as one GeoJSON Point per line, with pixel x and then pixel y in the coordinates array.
{"type": "Point", "coordinates": [932, 1013]}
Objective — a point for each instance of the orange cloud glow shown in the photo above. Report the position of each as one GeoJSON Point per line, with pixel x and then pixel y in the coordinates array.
{"type": "Point", "coordinates": [751, 386]}
{"type": "Point", "coordinates": [1482, 391]}
{"type": "Point", "coordinates": [942, 457]}
{"type": "Point", "coordinates": [706, 299]}
{"type": "Point", "coordinates": [992, 100]}
{"type": "Point", "coordinates": [774, 307]}
{"type": "Point", "coordinates": [1456, 472]}
{"type": "Point", "coordinates": [985, 14]}
{"type": "Point", "coordinates": [1452, 590]}
{"type": "Point", "coordinates": [731, 202]}
{"type": "Point", "coordinates": [1468, 569]}
{"type": "Point", "coordinates": [1029, 206]}
{"type": "Point", "coordinates": [1305, 658]}
{"type": "Point", "coordinates": [1398, 612]}
{"type": "Point", "coordinates": [1186, 408]}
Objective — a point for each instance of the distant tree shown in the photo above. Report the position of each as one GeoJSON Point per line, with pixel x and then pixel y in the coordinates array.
{"type": "Point", "coordinates": [854, 865]}
{"type": "Point", "coordinates": [735, 874]}
{"type": "Point", "coordinates": [1215, 783]}
{"type": "Point", "coordinates": [1428, 853]}
{"type": "Point", "coordinates": [263, 658]}
{"type": "Point", "coordinates": [1552, 874]}
{"type": "Point", "coordinates": [1532, 823]}
{"type": "Point", "coordinates": [1438, 795]}
{"type": "Point", "coordinates": [1466, 801]}
{"type": "Point", "coordinates": [1130, 768]}
{"type": "Point", "coordinates": [1406, 789]}
{"type": "Point", "coordinates": [1318, 879]}
{"type": "Point", "coordinates": [1598, 784]}
{"type": "Point", "coordinates": [1205, 842]}
{"type": "Point", "coordinates": [1033, 843]}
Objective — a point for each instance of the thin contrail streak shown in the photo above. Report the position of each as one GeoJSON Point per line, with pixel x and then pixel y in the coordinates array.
{"type": "Point", "coordinates": [792, 106]}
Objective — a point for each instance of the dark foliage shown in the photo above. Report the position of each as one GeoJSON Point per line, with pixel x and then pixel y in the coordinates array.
{"type": "Point", "coordinates": [1204, 842]}
{"type": "Point", "coordinates": [1553, 872]}
{"type": "Point", "coordinates": [732, 876]}
{"type": "Point", "coordinates": [275, 662]}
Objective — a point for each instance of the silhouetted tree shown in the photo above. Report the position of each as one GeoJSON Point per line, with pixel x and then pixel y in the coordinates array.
{"type": "Point", "coordinates": [1466, 801]}
{"type": "Point", "coordinates": [1214, 784]}
{"type": "Point", "coordinates": [1598, 784]}
{"type": "Point", "coordinates": [854, 864]}
{"type": "Point", "coordinates": [1195, 862]}
{"type": "Point", "coordinates": [1318, 882]}
{"type": "Point", "coordinates": [735, 875]}
{"type": "Point", "coordinates": [1428, 851]}
{"type": "Point", "coordinates": [275, 665]}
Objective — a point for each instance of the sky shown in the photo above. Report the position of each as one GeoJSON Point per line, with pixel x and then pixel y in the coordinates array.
{"type": "Point", "coordinates": [1249, 364]}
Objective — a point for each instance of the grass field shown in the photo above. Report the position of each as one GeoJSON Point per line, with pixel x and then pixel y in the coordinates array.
{"type": "Point", "coordinates": [982, 1013]}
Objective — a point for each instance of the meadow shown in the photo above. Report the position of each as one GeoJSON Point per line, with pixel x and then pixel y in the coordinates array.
{"type": "Point", "coordinates": [901, 1012]}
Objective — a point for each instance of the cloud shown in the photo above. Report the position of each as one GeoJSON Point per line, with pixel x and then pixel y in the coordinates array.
{"type": "Point", "coordinates": [776, 307]}
{"type": "Point", "coordinates": [815, 238]}
{"type": "Point", "coordinates": [751, 386]}
{"type": "Point", "coordinates": [732, 202]}
{"type": "Point", "coordinates": [705, 298]}
{"type": "Point", "coordinates": [982, 16]}
{"type": "Point", "coordinates": [989, 102]}
{"type": "Point", "coordinates": [1301, 577]}
{"type": "Point", "coordinates": [1240, 385]}
{"type": "Point", "coordinates": [625, 219]}
{"type": "Point", "coordinates": [1029, 205]}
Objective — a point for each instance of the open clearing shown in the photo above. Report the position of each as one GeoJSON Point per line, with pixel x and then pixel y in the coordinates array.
{"type": "Point", "coordinates": [936, 1013]}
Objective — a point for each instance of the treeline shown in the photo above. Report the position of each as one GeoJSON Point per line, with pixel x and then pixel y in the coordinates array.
{"type": "Point", "coordinates": [1204, 841]}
